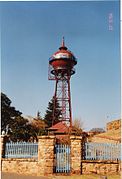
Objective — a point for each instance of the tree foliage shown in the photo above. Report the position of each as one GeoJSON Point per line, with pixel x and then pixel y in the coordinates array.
{"type": "Point", "coordinates": [8, 113]}
{"type": "Point", "coordinates": [77, 122]}
{"type": "Point", "coordinates": [39, 126]}
{"type": "Point", "coordinates": [97, 130]}
{"type": "Point", "coordinates": [77, 127]}
{"type": "Point", "coordinates": [20, 130]}
{"type": "Point", "coordinates": [17, 127]}
{"type": "Point", "coordinates": [49, 113]}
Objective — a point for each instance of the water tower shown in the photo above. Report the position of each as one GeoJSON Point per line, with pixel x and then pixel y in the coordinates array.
{"type": "Point", "coordinates": [61, 68]}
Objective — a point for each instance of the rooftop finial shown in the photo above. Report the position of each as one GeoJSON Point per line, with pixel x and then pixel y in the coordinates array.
{"type": "Point", "coordinates": [63, 44]}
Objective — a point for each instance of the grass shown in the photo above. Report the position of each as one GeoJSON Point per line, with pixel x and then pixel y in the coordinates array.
{"type": "Point", "coordinates": [116, 134]}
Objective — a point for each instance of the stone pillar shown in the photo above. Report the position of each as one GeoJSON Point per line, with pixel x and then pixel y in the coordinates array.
{"type": "Point", "coordinates": [76, 154]}
{"type": "Point", "coordinates": [46, 155]}
{"type": "Point", "coordinates": [1, 145]}
{"type": "Point", "coordinates": [3, 140]}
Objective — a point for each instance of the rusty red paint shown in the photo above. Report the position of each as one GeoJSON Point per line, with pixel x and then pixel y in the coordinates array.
{"type": "Point", "coordinates": [61, 67]}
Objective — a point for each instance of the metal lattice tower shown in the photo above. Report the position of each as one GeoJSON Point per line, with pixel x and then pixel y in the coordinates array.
{"type": "Point", "coordinates": [61, 67]}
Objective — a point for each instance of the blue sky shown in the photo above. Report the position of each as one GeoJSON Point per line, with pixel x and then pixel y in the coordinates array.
{"type": "Point", "coordinates": [32, 32]}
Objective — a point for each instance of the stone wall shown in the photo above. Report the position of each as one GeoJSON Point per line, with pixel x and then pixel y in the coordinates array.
{"type": "Point", "coordinates": [75, 154]}
{"type": "Point", "coordinates": [40, 167]}
{"type": "Point", "coordinates": [44, 165]}
{"type": "Point", "coordinates": [114, 125]}
{"type": "Point", "coordinates": [100, 168]}
{"type": "Point", "coordinates": [31, 167]}
{"type": "Point", "coordinates": [46, 154]}
{"type": "Point", "coordinates": [20, 166]}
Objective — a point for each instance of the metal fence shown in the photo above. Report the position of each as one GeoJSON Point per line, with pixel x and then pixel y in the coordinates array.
{"type": "Point", "coordinates": [21, 150]}
{"type": "Point", "coordinates": [92, 151]}
{"type": "Point", "coordinates": [62, 158]}
{"type": "Point", "coordinates": [102, 151]}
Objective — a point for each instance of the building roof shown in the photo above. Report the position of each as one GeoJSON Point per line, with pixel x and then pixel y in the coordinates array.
{"type": "Point", "coordinates": [60, 127]}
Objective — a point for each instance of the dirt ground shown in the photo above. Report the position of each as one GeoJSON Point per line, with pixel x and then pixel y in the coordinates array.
{"type": "Point", "coordinates": [16, 176]}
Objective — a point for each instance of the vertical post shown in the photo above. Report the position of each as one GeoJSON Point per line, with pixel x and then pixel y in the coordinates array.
{"type": "Point", "coordinates": [1, 144]}
{"type": "Point", "coordinates": [76, 154]}
{"type": "Point", "coordinates": [3, 140]}
{"type": "Point", "coordinates": [46, 155]}
{"type": "Point", "coordinates": [54, 107]}
{"type": "Point", "coordinates": [69, 98]}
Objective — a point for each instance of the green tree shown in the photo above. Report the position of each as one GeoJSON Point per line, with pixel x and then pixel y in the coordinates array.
{"type": "Point", "coordinates": [20, 129]}
{"type": "Point", "coordinates": [23, 130]}
{"type": "Point", "coordinates": [49, 113]}
{"type": "Point", "coordinates": [12, 123]}
{"type": "Point", "coordinates": [38, 115]}
{"type": "Point", "coordinates": [8, 113]}
{"type": "Point", "coordinates": [17, 127]}
{"type": "Point", "coordinates": [39, 126]}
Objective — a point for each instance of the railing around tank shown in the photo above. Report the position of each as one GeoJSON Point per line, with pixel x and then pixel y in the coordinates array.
{"type": "Point", "coordinates": [102, 151]}
{"type": "Point", "coordinates": [21, 150]}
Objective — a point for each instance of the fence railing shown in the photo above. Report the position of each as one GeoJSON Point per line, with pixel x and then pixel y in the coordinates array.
{"type": "Point", "coordinates": [92, 151]}
{"type": "Point", "coordinates": [102, 151]}
{"type": "Point", "coordinates": [62, 158]}
{"type": "Point", "coordinates": [21, 150]}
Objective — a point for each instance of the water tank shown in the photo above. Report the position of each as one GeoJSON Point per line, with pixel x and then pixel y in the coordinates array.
{"type": "Point", "coordinates": [62, 60]}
